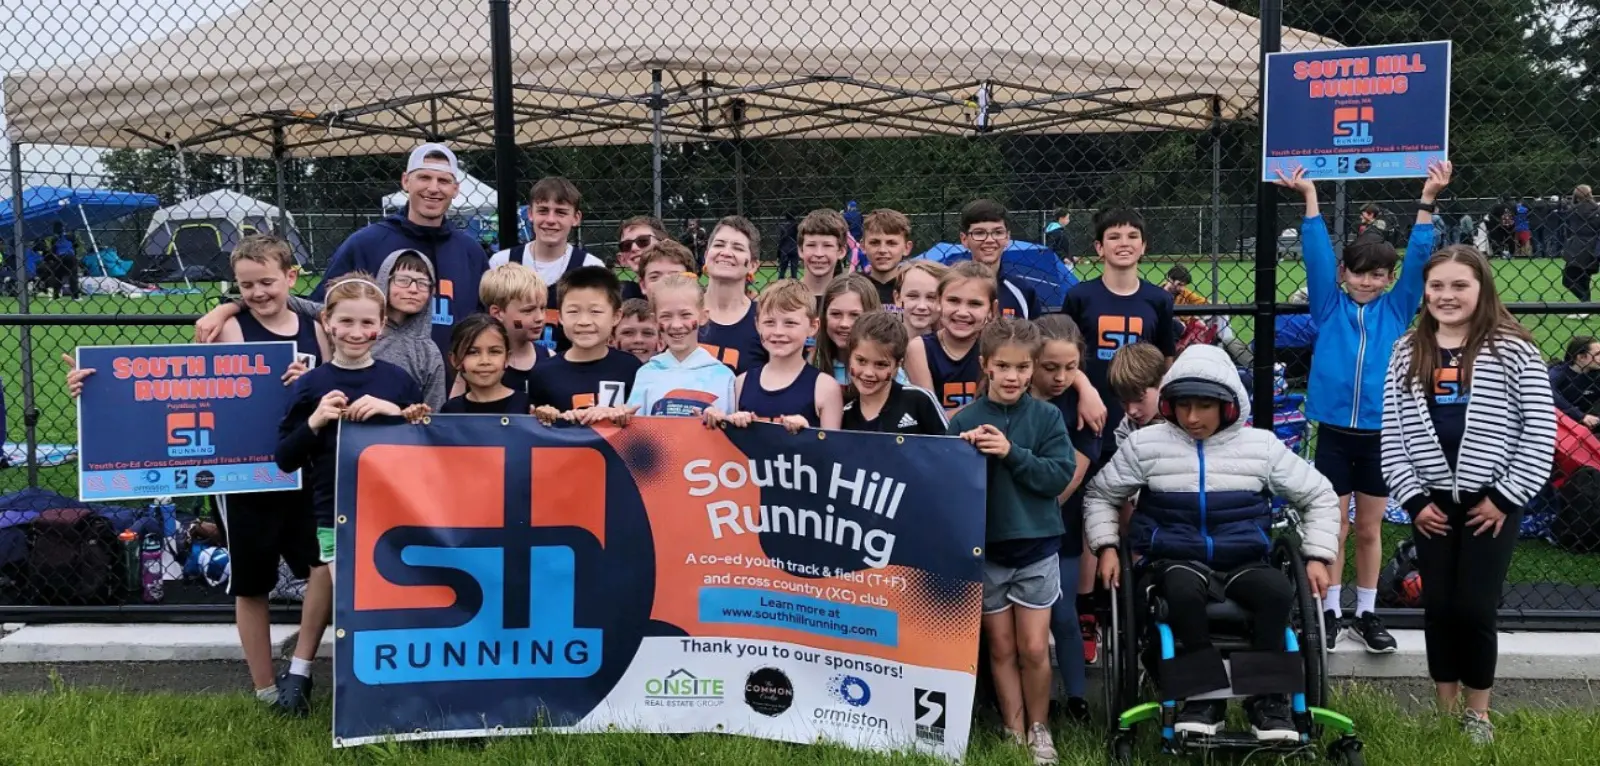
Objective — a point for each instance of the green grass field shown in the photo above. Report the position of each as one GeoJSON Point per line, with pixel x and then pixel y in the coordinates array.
{"type": "Point", "coordinates": [95, 728]}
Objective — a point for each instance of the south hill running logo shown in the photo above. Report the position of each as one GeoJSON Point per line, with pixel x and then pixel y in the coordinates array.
{"type": "Point", "coordinates": [929, 713]}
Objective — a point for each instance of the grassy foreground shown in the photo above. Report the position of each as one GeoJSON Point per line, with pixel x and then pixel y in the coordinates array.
{"type": "Point", "coordinates": [99, 728]}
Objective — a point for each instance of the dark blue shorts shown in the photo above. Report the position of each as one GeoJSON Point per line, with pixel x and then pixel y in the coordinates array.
{"type": "Point", "coordinates": [1352, 460]}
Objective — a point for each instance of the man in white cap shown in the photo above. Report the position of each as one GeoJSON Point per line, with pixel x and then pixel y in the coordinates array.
{"type": "Point", "coordinates": [431, 181]}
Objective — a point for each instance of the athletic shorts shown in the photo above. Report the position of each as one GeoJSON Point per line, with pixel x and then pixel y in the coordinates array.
{"type": "Point", "coordinates": [1352, 460]}
{"type": "Point", "coordinates": [263, 528]}
{"type": "Point", "coordinates": [325, 539]}
{"type": "Point", "coordinates": [1035, 586]}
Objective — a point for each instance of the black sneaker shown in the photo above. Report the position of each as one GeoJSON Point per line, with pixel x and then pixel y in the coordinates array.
{"type": "Point", "coordinates": [1368, 629]}
{"type": "Point", "coordinates": [294, 696]}
{"type": "Point", "coordinates": [1202, 718]}
{"type": "Point", "coordinates": [1076, 710]}
{"type": "Point", "coordinates": [1271, 720]}
{"type": "Point", "coordinates": [1330, 628]}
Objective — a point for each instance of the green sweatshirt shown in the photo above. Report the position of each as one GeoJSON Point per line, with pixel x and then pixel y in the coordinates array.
{"type": "Point", "coordinates": [1023, 485]}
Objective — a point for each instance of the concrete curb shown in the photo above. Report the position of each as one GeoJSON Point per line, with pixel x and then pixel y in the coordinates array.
{"type": "Point", "coordinates": [68, 643]}
{"type": "Point", "coordinates": [1527, 656]}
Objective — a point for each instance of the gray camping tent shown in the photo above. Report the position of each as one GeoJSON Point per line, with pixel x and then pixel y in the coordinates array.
{"type": "Point", "coordinates": [193, 239]}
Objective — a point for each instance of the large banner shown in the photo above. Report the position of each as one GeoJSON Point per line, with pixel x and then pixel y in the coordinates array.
{"type": "Point", "coordinates": [181, 420]}
{"type": "Point", "coordinates": [494, 575]}
{"type": "Point", "coordinates": [1352, 113]}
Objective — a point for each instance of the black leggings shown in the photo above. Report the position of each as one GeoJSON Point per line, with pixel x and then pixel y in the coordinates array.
{"type": "Point", "coordinates": [1264, 592]}
{"type": "Point", "coordinates": [1462, 577]}
{"type": "Point", "coordinates": [1576, 279]}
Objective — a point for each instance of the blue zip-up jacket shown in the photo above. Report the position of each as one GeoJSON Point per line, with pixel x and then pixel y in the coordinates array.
{"type": "Point", "coordinates": [458, 261]}
{"type": "Point", "coordinates": [1209, 500]}
{"type": "Point", "coordinates": [1351, 354]}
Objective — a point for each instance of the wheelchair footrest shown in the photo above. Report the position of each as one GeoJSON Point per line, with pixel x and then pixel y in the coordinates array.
{"type": "Point", "coordinates": [1192, 674]}
{"type": "Point", "coordinates": [1268, 673]}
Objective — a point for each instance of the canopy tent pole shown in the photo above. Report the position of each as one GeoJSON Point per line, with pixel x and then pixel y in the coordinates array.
{"type": "Point", "coordinates": [30, 414]}
{"type": "Point", "coordinates": [278, 152]}
{"type": "Point", "coordinates": [657, 115]}
{"type": "Point", "coordinates": [1266, 243]}
{"type": "Point", "coordinates": [1216, 195]}
{"type": "Point", "coordinates": [82, 216]}
{"type": "Point", "coordinates": [177, 254]}
{"type": "Point", "coordinates": [505, 126]}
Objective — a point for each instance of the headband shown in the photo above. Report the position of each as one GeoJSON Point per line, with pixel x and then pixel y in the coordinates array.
{"type": "Point", "coordinates": [360, 281]}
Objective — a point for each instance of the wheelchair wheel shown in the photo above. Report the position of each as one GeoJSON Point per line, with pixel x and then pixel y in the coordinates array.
{"type": "Point", "coordinates": [1347, 752]}
{"type": "Point", "coordinates": [1121, 750]}
{"type": "Point", "coordinates": [1308, 615]}
{"type": "Point", "coordinates": [1119, 651]}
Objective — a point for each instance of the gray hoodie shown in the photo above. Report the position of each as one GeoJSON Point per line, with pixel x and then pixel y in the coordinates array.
{"type": "Point", "coordinates": [409, 345]}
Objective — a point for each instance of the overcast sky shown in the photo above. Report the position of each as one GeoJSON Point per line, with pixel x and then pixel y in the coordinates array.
{"type": "Point", "coordinates": [42, 33]}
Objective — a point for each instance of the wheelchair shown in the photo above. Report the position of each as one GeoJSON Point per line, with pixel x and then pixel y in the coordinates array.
{"type": "Point", "coordinates": [1137, 640]}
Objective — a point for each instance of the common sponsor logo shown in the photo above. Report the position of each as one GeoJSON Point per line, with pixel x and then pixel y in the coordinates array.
{"type": "Point", "coordinates": [768, 692]}
{"type": "Point", "coordinates": [680, 688]}
{"type": "Point", "coordinates": [929, 710]}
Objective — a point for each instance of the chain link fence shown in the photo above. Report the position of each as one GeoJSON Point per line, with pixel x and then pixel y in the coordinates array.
{"type": "Point", "coordinates": [146, 137]}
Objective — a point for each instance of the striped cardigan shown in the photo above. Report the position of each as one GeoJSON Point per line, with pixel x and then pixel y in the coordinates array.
{"type": "Point", "coordinates": [1509, 444]}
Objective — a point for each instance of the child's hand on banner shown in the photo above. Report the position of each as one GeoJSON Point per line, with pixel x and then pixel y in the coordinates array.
{"type": "Point", "coordinates": [294, 372]}
{"type": "Point", "coordinates": [548, 415]}
{"type": "Point", "coordinates": [330, 409]}
{"type": "Point", "coordinates": [75, 376]}
{"type": "Point", "coordinates": [1296, 181]}
{"type": "Point", "coordinates": [368, 407]}
{"type": "Point", "coordinates": [794, 423]}
{"type": "Point", "coordinates": [416, 412]}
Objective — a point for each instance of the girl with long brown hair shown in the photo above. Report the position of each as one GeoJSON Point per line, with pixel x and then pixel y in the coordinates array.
{"type": "Point", "coordinates": [1469, 433]}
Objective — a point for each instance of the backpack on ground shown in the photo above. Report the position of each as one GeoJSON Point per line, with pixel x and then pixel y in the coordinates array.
{"type": "Point", "coordinates": [1576, 526]}
{"type": "Point", "coordinates": [72, 559]}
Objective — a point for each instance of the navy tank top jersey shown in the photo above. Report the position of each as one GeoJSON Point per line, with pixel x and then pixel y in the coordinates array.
{"type": "Point", "coordinates": [797, 398]}
{"type": "Point", "coordinates": [955, 381]}
{"type": "Point", "coordinates": [305, 340]}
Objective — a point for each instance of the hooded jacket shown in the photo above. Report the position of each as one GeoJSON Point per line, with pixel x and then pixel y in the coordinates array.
{"type": "Point", "coordinates": [410, 345]}
{"type": "Point", "coordinates": [1023, 485]}
{"type": "Point", "coordinates": [457, 259]}
{"type": "Point", "coordinates": [1351, 352]}
{"type": "Point", "coordinates": [1209, 501]}
{"type": "Point", "coordinates": [668, 387]}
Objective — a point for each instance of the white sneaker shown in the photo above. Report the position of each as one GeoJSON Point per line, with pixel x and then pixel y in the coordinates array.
{"type": "Point", "coordinates": [1041, 745]}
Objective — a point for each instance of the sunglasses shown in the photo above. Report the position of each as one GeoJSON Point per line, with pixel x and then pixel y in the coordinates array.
{"type": "Point", "coordinates": [637, 243]}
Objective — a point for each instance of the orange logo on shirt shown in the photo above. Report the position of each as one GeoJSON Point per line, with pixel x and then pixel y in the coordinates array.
{"type": "Point", "coordinates": [727, 356]}
{"type": "Point", "coordinates": [957, 394]}
{"type": "Point", "coordinates": [1447, 386]}
{"type": "Point", "coordinates": [1114, 332]}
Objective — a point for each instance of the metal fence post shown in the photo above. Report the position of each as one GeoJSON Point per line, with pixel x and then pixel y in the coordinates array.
{"type": "Point", "coordinates": [30, 413]}
{"type": "Point", "coordinates": [1266, 243]}
{"type": "Point", "coordinates": [505, 125]}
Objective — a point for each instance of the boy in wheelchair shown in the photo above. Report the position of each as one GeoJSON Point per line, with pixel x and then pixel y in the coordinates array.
{"type": "Point", "coordinates": [1199, 533]}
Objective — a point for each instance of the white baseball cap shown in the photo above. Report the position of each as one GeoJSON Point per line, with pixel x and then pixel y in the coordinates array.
{"type": "Point", "coordinates": [420, 159]}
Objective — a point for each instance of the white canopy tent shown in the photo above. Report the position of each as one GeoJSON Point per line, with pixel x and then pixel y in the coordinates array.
{"type": "Point", "coordinates": [375, 77]}
{"type": "Point", "coordinates": [475, 197]}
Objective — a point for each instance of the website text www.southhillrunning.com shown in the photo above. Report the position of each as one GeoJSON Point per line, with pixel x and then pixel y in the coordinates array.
{"type": "Point", "coordinates": [799, 615]}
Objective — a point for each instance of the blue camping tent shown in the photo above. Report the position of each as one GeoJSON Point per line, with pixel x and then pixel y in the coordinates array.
{"type": "Point", "coordinates": [1026, 263]}
{"type": "Point", "coordinates": [74, 209]}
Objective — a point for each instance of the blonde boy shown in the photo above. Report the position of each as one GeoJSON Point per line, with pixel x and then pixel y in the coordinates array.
{"type": "Point", "coordinates": [515, 295]}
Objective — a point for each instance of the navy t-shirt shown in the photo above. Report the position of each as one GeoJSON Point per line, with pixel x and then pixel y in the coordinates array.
{"type": "Point", "coordinates": [516, 378]}
{"type": "Point", "coordinates": [568, 385]}
{"type": "Point", "coordinates": [736, 345]}
{"type": "Point", "coordinates": [797, 398]}
{"type": "Point", "coordinates": [301, 449]}
{"type": "Point", "coordinates": [886, 291]}
{"type": "Point", "coordinates": [955, 381]}
{"type": "Point", "coordinates": [514, 403]}
{"type": "Point", "coordinates": [304, 339]}
{"type": "Point", "coordinates": [1447, 404]}
{"type": "Point", "coordinates": [1017, 300]}
{"type": "Point", "coordinates": [1087, 442]}
{"type": "Point", "coordinates": [1109, 322]}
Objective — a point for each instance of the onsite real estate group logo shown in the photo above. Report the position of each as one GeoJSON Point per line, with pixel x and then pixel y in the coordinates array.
{"type": "Point", "coordinates": [680, 688]}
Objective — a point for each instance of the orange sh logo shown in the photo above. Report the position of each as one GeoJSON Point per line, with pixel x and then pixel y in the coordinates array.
{"type": "Point", "coordinates": [1114, 332]}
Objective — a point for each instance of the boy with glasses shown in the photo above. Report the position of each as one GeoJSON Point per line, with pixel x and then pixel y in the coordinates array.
{"type": "Point", "coordinates": [984, 233]}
